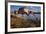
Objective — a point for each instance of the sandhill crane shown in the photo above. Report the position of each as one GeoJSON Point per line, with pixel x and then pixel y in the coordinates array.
{"type": "Point", "coordinates": [24, 10]}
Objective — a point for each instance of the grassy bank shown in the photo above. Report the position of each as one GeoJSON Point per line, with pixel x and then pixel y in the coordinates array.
{"type": "Point", "coordinates": [19, 22]}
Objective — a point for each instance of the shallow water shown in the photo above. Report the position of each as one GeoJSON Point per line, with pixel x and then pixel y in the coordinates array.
{"type": "Point", "coordinates": [33, 17]}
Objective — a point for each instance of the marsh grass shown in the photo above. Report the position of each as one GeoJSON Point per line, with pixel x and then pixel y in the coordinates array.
{"type": "Point", "coordinates": [18, 22]}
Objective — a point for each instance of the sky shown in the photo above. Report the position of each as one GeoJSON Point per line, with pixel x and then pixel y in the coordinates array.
{"type": "Point", "coordinates": [32, 8]}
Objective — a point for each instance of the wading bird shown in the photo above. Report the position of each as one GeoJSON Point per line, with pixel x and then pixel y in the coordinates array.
{"type": "Point", "coordinates": [24, 10]}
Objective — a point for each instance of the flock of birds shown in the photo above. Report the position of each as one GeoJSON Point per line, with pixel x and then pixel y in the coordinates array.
{"type": "Point", "coordinates": [28, 14]}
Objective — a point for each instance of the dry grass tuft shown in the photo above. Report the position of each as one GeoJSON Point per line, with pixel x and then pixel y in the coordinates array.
{"type": "Point", "coordinates": [18, 22]}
